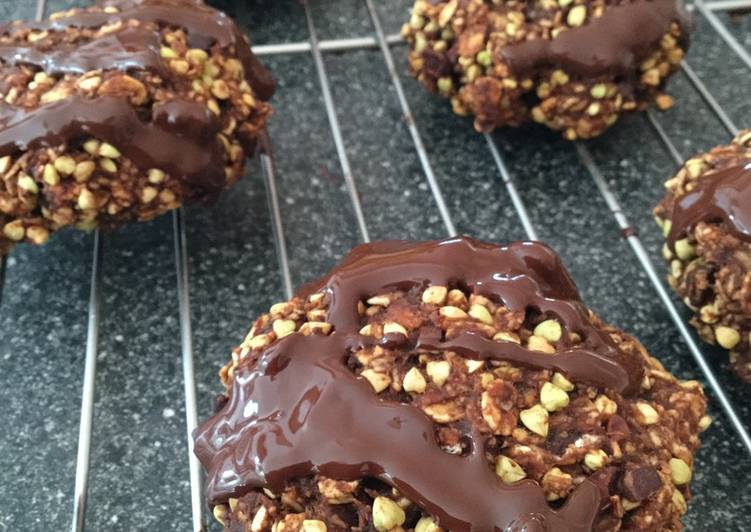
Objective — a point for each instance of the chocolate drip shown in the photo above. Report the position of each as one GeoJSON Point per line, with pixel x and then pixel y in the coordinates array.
{"type": "Point", "coordinates": [205, 26]}
{"type": "Point", "coordinates": [299, 410]}
{"type": "Point", "coordinates": [131, 48]}
{"type": "Point", "coordinates": [614, 43]}
{"type": "Point", "coordinates": [722, 196]}
{"type": "Point", "coordinates": [181, 140]}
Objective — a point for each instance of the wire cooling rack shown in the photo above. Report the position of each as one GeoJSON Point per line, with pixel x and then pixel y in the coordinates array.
{"type": "Point", "coordinates": [732, 416]}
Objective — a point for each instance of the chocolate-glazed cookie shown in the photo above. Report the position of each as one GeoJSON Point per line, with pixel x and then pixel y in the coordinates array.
{"type": "Point", "coordinates": [451, 385]}
{"type": "Point", "coordinates": [706, 219]}
{"type": "Point", "coordinates": [121, 112]}
{"type": "Point", "coordinates": [573, 65]}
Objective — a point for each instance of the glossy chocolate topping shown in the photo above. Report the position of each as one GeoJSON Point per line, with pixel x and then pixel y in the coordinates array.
{"type": "Point", "coordinates": [180, 139]}
{"type": "Point", "coordinates": [614, 43]}
{"type": "Point", "coordinates": [179, 136]}
{"type": "Point", "coordinates": [299, 410]}
{"type": "Point", "coordinates": [723, 196]}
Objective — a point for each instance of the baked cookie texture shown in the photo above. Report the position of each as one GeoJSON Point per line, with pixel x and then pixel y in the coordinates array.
{"type": "Point", "coordinates": [121, 112]}
{"type": "Point", "coordinates": [706, 219]}
{"type": "Point", "coordinates": [452, 385]}
{"type": "Point", "coordinates": [572, 65]}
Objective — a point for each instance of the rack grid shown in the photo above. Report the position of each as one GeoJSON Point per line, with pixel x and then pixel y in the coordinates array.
{"type": "Point", "coordinates": [379, 40]}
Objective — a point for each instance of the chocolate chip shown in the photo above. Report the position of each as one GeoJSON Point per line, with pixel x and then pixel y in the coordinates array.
{"type": "Point", "coordinates": [638, 484]}
{"type": "Point", "coordinates": [618, 428]}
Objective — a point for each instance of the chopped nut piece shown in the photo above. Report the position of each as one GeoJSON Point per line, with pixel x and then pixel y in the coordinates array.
{"type": "Point", "coordinates": [387, 514]}
{"type": "Point", "coordinates": [550, 330]}
{"type": "Point", "coordinates": [481, 313]}
{"type": "Point", "coordinates": [577, 15]}
{"type": "Point", "coordinates": [260, 520]}
{"type": "Point", "coordinates": [507, 337]}
{"type": "Point", "coordinates": [435, 295]}
{"type": "Point", "coordinates": [538, 343]}
{"type": "Point", "coordinates": [562, 382]}
{"type": "Point", "coordinates": [394, 328]}
{"type": "Point", "coordinates": [727, 337]}
{"type": "Point", "coordinates": [14, 230]}
{"type": "Point", "coordinates": [313, 525]}
{"type": "Point", "coordinates": [474, 365]}
{"type": "Point", "coordinates": [259, 341]}
{"type": "Point", "coordinates": [221, 513]}
{"type": "Point", "coordinates": [427, 524]}
{"type": "Point", "coordinates": [414, 381]}
{"type": "Point", "coordinates": [284, 328]}
{"type": "Point", "coordinates": [646, 414]}
{"type": "Point", "coordinates": [108, 150]}
{"type": "Point", "coordinates": [680, 471]}
{"type": "Point", "coordinates": [509, 471]}
{"type": "Point", "coordinates": [535, 419]}
{"type": "Point", "coordinates": [383, 301]}
{"type": "Point", "coordinates": [438, 371]}
{"type": "Point", "coordinates": [596, 459]}
{"type": "Point", "coordinates": [379, 381]}
{"type": "Point", "coordinates": [553, 398]}
{"type": "Point", "coordinates": [605, 405]}
{"type": "Point", "coordinates": [453, 313]}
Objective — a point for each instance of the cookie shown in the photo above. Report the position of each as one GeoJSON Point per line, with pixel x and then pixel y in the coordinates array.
{"type": "Point", "coordinates": [448, 385]}
{"type": "Point", "coordinates": [122, 112]}
{"type": "Point", "coordinates": [706, 219]}
{"type": "Point", "coordinates": [572, 65]}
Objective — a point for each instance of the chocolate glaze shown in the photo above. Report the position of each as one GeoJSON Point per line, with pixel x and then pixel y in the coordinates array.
{"type": "Point", "coordinates": [722, 196]}
{"type": "Point", "coordinates": [205, 26]}
{"type": "Point", "coordinates": [298, 410]}
{"type": "Point", "coordinates": [614, 43]}
{"type": "Point", "coordinates": [181, 137]}
{"type": "Point", "coordinates": [131, 48]}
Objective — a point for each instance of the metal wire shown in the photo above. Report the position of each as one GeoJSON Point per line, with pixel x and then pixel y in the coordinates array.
{"type": "Point", "coordinates": [410, 119]}
{"type": "Point", "coordinates": [521, 209]}
{"type": "Point", "coordinates": [269, 174]}
{"type": "Point", "coordinates": [189, 376]}
{"type": "Point", "coordinates": [723, 32]}
{"type": "Point", "coordinates": [332, 45]}
{"type": "Point", "coordinates": [728, 5]}
{"type": "Point", "coordinates": [334, 123]}
{"type": "Point", "coordinates": [87, 394]}
{"type": "Point", "coordinates": [709, 98]}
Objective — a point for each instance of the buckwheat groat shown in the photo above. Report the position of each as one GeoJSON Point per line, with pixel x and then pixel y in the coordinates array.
{"type": "Point", "coordinates": [121, 112]}
{"type": "Point", "coordinates": [450, 385]}
{"type": "Point", "coordinates": [573, 65]}
{"type": "Point", "coordinates": [706, 219]}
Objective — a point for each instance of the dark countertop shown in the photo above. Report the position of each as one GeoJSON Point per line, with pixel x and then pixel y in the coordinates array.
{"type": "Point", "coordinates": [139, 478]}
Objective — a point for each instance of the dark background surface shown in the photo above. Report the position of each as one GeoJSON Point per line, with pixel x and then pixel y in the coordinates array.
{"type": "Point", "coordinates": [139, 472]}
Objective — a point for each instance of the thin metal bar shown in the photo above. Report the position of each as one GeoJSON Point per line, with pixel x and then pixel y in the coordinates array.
{"type": "Point", "coordinates": [416, 138]}
{"type": "Point", "coordinates": [267, 165]}
{"type": "Point", "coordinates": [649, 268]}
{"type": "Point", "coordinates": [709, 98]}
{"type": "Point", "coordinates": [189, 376]}
{"type": "Point", "coordinates": [516, 199]}
{"type": "Point", "coordinates": [87, 394]}
{"type": "Point", "coordinates": [728, 5]}
{"type": "Point", "coordinates": [674, 153]}
{"type": "Point", "coordinates": [332, 45]}
{"type": "Point", "coordinates": [720, 28]}
{"type": "Point", "coordinates": [41, 6]}
{"type": "Point", "coordinates": [334, 123]}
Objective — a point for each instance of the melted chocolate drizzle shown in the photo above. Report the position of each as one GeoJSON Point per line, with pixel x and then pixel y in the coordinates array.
{"type": "Point", "coordinates": [299, 410]}
{"type": "Point", "coordinates": [614, 43]}
{"type": "Point", "coordinates": [180, 136]}
{"type": "Point", "coordinates": [722, 196]}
